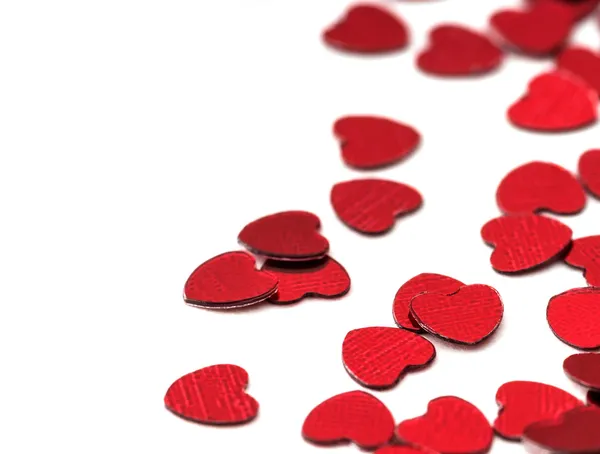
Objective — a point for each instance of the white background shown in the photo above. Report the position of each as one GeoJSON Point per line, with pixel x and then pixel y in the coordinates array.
{"type": "Point", "coordinates": [138, 137]}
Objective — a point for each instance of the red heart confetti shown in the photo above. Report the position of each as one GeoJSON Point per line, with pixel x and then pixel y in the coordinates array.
{"type": "Point", "coordinates": [593, 398]}
{"type": "Point", "coordinates": [459, 51]}
{"type": "Point", "coordinates": [423, 283]}
{"type": "Point", "coordinates": [524, 242]}
{"type": "Point", "coordinates": [584, 368]}
{"type": "Point", "coordinates": [354, 416]}
{"type": "Point", "coordinates": [228, 281]}
{"type": "Point", "coordinates": [578, 9]}
{"type": "Point", "coordinates": [540, 186]}
{"type": "Point", "coordinates": [574, 317]}
{"type": "Point", "coordinates": [585, 253]}
{"type": "Point", "coordinates": [377, 357]}
{"type": "Point", "coordinates": [468, 316]}
{"type": "Point", "coordinates": [369, 142]}
{"type": "Point", "coordinates": [451, 425]}
{"type": "Point", "coordinates": [325, 278]}
{"type": "Point", "coordinates": [523, 403]}
{"type": "Point", "coordinates": [556, 101]}
{"type": "Point", "coordinates": [213, 395]}
{"type": "Point", "coordinates": [589, 171]}
{"type": "Point", "coordinates": [371, 205]}
{"type": "Point", "coordinates": [289, 235]}
{"type": "Point", "coordinates": [367, 29]}
{"type": "Point", "coordinates": [583, 63]}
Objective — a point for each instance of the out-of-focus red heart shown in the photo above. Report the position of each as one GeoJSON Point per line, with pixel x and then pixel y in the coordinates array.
{"type": "Point", "coordinates": [584, 368]}
{"type": "Point", "coordinates": [589, 171]}
{"type": "Point", "coordinates": [213, 395]}
{"type": "Point", "coordinates": [585, 253]}
{"type": "Point", "coordinates": [583, 63]}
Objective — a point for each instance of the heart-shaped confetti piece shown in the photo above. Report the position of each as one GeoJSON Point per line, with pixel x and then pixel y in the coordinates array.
{"type": "Point", "coordinates": [584, 368]}
{"type": "Point", "coordinates": [377, 357]}
{"type": "Point", "coordinates": [583, 63]}
{"type": "Point", "coordinates": [213, 395]}
{"type": "Point", "coordinates": [585, 253]}
{"type": "Point", "coordinates": [589, 171]}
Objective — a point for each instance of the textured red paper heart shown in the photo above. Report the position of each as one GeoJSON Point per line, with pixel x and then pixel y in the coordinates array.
{"type": "Point", "coordinates": [574, 317]}
{"type": "Point", "coordinates": [354, 416]}
{"type": "Point", "coordinates": [324, 278]}
{"type": "Point", "coordinates": [556, 101]}
{"type": "Point", "coordinates": [583, 63]}
{"type": "Point", "coordinates": [371, 205]}
{"type": "Point", "coordinates": [228, 281]}
{"type": "Point", "coordinates": [459, 51]}
{"type": "Point", "coordinates": [423, 283]}
{"type": "Point", "coordinates": [368, 142]}
{"type": "Point", "coordinates": [289, 235]}
{"type": "Point", "coordinates": [468, 316]}
{"type": "Point", "coordinates": [523, 242]}
{"type": "Point", "coordinates": [540, 186]}
{"type": "Point", "coordinates": [575, 432]}
{"type": "Point", "coordinates": [593, 398]}
{"type": "Point", "coordinates": [578, 9]}
{"type": "Point", "coordinates": [397, 449]}
{"type": "Point", "coordinates": [451, 425]}
{"type": "Point", "coordinates": [584, 368]}
{"type": "Point", "coordinates": [213, 395]}
{"type": "Point", "coordinates": [523, 403]}
{"type": "Point", "coordinates": [367, 29]}
{"type": "Point", "coordinates": [377, 357]}
{"type": "Point", "coordinates": [585, 253]}
{"type": "Point", "coordinates": [589, 171]}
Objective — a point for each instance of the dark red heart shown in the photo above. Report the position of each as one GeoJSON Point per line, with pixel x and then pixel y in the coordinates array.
{"type": "Point", "coordinates": [574, 317]}
{"type": "Point", "coordinates": [589, 171]}
{"type": "Point", "coordinates": [578, 9]}
{"type": "Point", "coordinates": [371, 205]}
{"type": "Point", "coordinates": [585, 253]}
{"type": "Point", "coordinates": [367, 29]}
{"type": "Point", "coordinates": [451, 425]}
{"type": "Point", "coordinates": [324, 278]}
{"type": "Point", "coordinates": [523, 242]}
{"type": "Point", "coordinates": [377, 357]}
{"type": "Point", "coordinates": [583, 63]}
{"type": "Point", "coordinates": [213, 395]}
{"type": "Point", "coordinates": [228, 281]}
{"type": "Point", "coordinates": [458, 51]}
{"type": "Point", "coordinates": [423, 283]}
{"type": "Point", "coordinates": [540, 186]}
{"type": "Point", "coordinates": [556, 101]}
{"type": "Point", "coordinates": [354, 416]}
{"type": "Point", "coordinates": [289, 235]}
{"type": "Point", "coordinates": [369, 142]}
{"type": "Point", "coordinates": [468, 316]}
{"type": "Point", "coordinates": [523, 403]}
{"type": "Point", "coordinates": [584, 368]}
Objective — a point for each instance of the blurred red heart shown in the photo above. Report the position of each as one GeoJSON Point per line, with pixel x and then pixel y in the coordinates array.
{"type": "Point", "coordinates": [584, 368]}
{"type": "Point", "coordinates": [589, 171]}
{"type": "Point", "coordinates": [574, 317]}
{"type": "Point", "coordinates": [583, 63]}
{"type": "Point", "coordinates": [585, 253]}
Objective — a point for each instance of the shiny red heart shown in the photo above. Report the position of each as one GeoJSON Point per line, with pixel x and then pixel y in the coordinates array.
{"type": "Point", "coordinates": [458, 51]}
{"type": "Point", "coordinates": [213, 395]}
{"type": "Point", "coordinates": [583, 63]}
{"type": "Point", "coordinates": [289, 235]}
{"type": "Point", "coordinates": [367, 29]}
{"type": "Point", "coordinates": [585, 253]}
{"type": "Point", "coordinates": [524, 242]}
{"type": "Point", "coordinates": [540, 186]}
{"type": "Point", "coordinates": [556, 101]}
{"type": "Point", "coordinates": [584, 368]}
{"type": "Point", "coordinates": [377, 357]}
{"type": "Point", "coordinates": [589, 171]}
{"type": "Point", "coordinates": [324, 278]}
{"type": "Point", "coordinates": [228, 281]}
{"type": "Point", "coordinates": [354, 416]}
{"type": "Point", "coordinates": [451, 425]}
{"type": "Point", "coordinates": [523, 403]}
{"type": "Point", "coordinates": [574, 317]}
{"type": "Point", "coordinates": [369, 142]}
{"type": "Point", "coordinates": [423, 283]}
{"type": "Point", "coordinates": [578, 9]}
{"type": "Point", "coordinates": [468, 316]}
{"type": "Point", "coordinates": [371, 205]}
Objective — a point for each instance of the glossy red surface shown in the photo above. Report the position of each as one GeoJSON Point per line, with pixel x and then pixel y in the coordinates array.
{"type": "Point", "coordinates": [589, 171]}
{"type": "Point", "coordinates": [582, 62]}
{"type": "Point", "coordinates": [584, 368]}
{"type": "Point", "coordinates": [574, 317]}
{"type": "Point", "coordinates": [585, 253]}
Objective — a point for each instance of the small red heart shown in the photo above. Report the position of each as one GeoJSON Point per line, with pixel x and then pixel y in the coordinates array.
{"type": "Point", "coordinates": [593, 398]}
{"type": "Point", "coordinates": [523, 403]}
{"type": "Point", "coordinates": [289, 235]}
{"type": "Point", "coordinates": [369, 142]}
{"type": "Point", "coordinates": [423, 283]}
{"type": "Point", "coordinates": [524, 242]}
{"type": "Point", "coordinates": [468, 316]}
{"type": "Point", "coordinates": [377, 357]}
{"type": "Point", "coordinates": [371, 205]}
{"type": "Point", "coordinates": [540, 186]}
{"type": "Point", "coordinates": [583, 63]}
{"type": "Point", "coordinates": [213, 395]}
{"type": "Point", "coordinates": [578, 9]}
{"type": "Point", "coordinates": [228, 281]}
{"type": "Point", "coordinates": [589, 171]}
{"type": "Point", "coordinates": [556, 101]}
{"type": "Point", "coordinates": [354, 416]}
{"type": "Point", "coordinates": [585, 253]}
{"type": "Point", "coordinates": [458, 51]}
{"type": "Point", "coordinates": [325, 278]}
{"type": "Point", "coordinates": [574, 317]}
{"type": "Point", "coordinates": [367, 29]}
{"type": "Point", "coordinates": [451, 425]}
{"type": "Point", "coordinates": [397, 449]}
{"type": "Point", "coordinates": [584, 368]}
